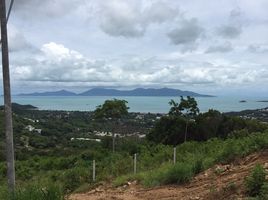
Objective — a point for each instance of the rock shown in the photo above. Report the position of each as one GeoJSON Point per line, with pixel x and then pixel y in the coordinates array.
{"type": "Point", "coordinates": [92, 192]}
{"type": "Point", "coordinates": [265, 165]}
{"type": "Point", "coordinates": [194, 198]}
{"type": "Point", "coordinates": [99, 190]}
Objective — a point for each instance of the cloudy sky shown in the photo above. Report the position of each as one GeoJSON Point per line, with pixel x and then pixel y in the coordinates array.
{"type": "Point", "coordinates": [215, 47]}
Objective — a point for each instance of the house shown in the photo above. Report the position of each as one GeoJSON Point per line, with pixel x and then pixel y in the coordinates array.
{"type": "Point", "coordinates": [29, 128]}
{"type": "Point", "coordinates": [32, 128]}
{"type": "Point", "coordinates": [38, 130]}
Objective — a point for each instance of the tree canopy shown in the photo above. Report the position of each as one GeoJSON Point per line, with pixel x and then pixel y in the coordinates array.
{"type": "Point", "coordinates": [186, 108]}
{"type": "Point", "coordinates": [113, 109]}
{"type": "Point", "coordinates": [174, 128]}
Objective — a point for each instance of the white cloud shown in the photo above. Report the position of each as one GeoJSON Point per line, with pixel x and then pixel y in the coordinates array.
{"type": "Point", "coordinates": [57, 52]}
{"type": "Point", "coordinates": [58, 64]}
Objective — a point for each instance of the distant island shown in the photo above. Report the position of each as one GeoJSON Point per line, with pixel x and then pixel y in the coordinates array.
{"type": "Point", "coordinates": [18, 107]}
{"type": "Point", "coordinates": [162, 92]}
{"type": "Point", "coordinates": [55, 93]}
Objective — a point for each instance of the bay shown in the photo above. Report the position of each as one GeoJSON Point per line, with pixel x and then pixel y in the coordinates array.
{"type": "Point", "coordinates": [137, 104]}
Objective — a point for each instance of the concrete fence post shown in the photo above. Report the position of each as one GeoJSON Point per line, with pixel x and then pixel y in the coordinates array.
{"type": "Point", "coordinates": [135, 163]}
{"type": "Point", "coordinates": [174, 155]}
{"type": "Point", "coordinates": [94, 171]}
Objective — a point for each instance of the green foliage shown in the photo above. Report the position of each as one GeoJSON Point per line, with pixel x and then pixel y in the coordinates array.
{"type": "Point", "coordinates": [231, 187]}
{"type": "Point", "coordinates": [53, 157]}
{"type": "Point", "coordinates": [194, 157]}
{"type": "Point", "coordinates": [255, 181]}
{"type": "Point", "coordinates": [171, 129]}
{"type": "Point", "coordinates": [33, 192]}
{"type": "Point", "coordinates": [111, 109]}
{"type": "Point", "coordinates": [71, 179]}
{"type": "Point", "coordinates": [169, 174]}
{"type": "Point", "coordinates": [168, 130]}
{"type": "Point", "coordinates": [264, 192]}
{"type": "Point", "coordinates": [187, 107]}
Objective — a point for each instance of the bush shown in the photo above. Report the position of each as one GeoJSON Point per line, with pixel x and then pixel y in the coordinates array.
{"type": "Point", "coordinates": [169, 174]}
{"type": "Point", "coordinates": [73, 178]}
{"type": "Point", "coordinates": [34, 192]}
{"type": "Point", "coordinates": [264, 192]}
{"type": "Point", "coordinates": [255, 181]}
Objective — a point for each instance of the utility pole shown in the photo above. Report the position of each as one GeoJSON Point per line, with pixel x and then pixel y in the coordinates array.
{"type": "Point", "coordinates": [7, 100]}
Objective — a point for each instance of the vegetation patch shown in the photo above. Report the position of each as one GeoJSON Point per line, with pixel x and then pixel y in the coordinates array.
{"type": "Point", "coordinates": [256, 184]}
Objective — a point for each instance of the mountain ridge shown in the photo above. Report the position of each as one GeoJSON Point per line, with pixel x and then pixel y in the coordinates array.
{"type": "Point", "coordinates": [115, 92]}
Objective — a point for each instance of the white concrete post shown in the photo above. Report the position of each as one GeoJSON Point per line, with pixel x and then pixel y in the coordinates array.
{"type": "Point", "coordinates": [174, 155]}
{"type": "Point", "coordinates": [135, 163]}
{"type": "Point", "coordinates": [94, 171]}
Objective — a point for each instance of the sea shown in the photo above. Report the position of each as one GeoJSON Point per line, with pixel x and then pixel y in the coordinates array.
{"type": "Point", "coordinates": [138, 104]}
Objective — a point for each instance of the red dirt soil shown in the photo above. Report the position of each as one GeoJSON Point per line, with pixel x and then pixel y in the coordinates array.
{"type": "Point", "coordinates": [219, 182]}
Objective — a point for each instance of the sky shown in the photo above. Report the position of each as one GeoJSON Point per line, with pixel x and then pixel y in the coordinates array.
{"type": "Point", "coordinates": [213, 47]}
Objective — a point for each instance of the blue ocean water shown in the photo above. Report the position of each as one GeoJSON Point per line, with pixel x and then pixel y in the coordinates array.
{"type": "Point", "coordinates": [136, 104]}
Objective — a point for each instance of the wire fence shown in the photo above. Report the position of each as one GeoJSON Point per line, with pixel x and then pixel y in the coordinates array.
{"type": "Point", "coordinates": [134, 164]}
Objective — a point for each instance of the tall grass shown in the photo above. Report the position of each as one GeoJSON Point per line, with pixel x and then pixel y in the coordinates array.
{"type": "Point", "coordinates": [33, 192]}
{"type": "Point", "coordinates": [193, 157]}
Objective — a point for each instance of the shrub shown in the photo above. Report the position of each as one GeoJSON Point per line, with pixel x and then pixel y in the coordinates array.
{"type": "Point", "coordinates": [33, 192]}
{"type": "Point", "coordinates": [74, 177]}
{"type": "Point", "coordinates": [198, 166]}
{"type": "Point", "coordinates": [255, 181]}
{"type": "Point", "coordinates": [264, 192]}
{"type": "Point", "coordinates": [180, 173]}
{"type": "Point", "coordinates": [169, 174]}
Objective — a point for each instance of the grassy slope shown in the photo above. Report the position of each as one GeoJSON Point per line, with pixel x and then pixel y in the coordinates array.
{"type": "Point", "coordinates": [193, 157]}
{"type": "Point", "coordinates": [154, 163]}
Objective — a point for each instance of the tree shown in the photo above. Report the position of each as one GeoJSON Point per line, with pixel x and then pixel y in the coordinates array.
{"type": "Point", "coordinates": [187, 108]}
{"type": "Point", "coordinates": [208, 124]}
{"type": "Point", "coordinates": [112, 110]}
{"type": "Point", "coordinates": [168, 130]}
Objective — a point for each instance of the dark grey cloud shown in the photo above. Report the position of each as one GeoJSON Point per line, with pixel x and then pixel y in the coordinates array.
{"type": "Point", "coordinates": [230, 31]}
{"type": "Point", "coordinates": [34, 9]}
{"type": "Point", "coordinates": [17, 41]}
{"type": "Point", "coordinates": [233, 29]}
{"type": "Point", "coordinates": [160, 12]}
{"type": "Point", "coordinates": [258, 48]}
{"type": "Point", "coordinates": [223, 48]}
{"type": "Point", "coordinates": [188, 32]}
{"type": "Point", "coordinates": [128, 19]}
